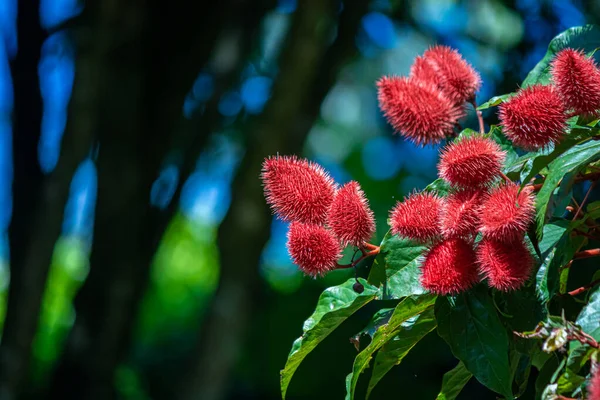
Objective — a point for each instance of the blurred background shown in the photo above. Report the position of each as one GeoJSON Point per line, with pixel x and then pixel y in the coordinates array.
{"type": "Point", "coordinates": [138, 257]}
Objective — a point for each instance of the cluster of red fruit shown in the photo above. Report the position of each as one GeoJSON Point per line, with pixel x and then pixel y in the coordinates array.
{"type": "Point", "coordinates": [537, 115]}
{"type": "Point", "coordinates": [323, 217]}
{"type": "Point", "coordinates": [450, 225]}
{"type": "Point", "coordinates": [425, 107]}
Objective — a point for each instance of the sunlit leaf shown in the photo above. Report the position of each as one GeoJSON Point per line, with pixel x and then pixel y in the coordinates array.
{"type": "Point", "coordinates": [454, 381]}
{"type": "Point", "coordinates": [405, 310]}
{"type": "Point", "coordinates": [494, 101]}
{"type": "Point", "coordinates": [393, 352]}
{"type": "Point", "coordinates": [402, 260]}
{"type": "Point", "coordinates": [335, 305]}
{"type": "Point", "coordinates": [571, 161]}
{"type": "Point", "coordinates": [586, 38]}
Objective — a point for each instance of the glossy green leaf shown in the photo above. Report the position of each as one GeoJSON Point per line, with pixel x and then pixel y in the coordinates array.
{"type": "Point", "coordinates": [439, 186]}
{"type": "Point", "coordinates": [470, 325]}
{"type": "Point", "coordinates": [495, 101]}
{"type": "Point", "coordinates": [586, 38]}
{"type": "Point", "coordinates": [569, 381]}
{"type": "Point", "coordinates": [402, 258]}
{"type": "Point", "coordinates": [506, 145]}
{"type": "Point", "coordinates": [571, 161]}
{"type": "Point", "coordinates": [380, 318]}
{"type": "Point", "coordinates": [557, 248]}
{"type": "Point", "coordinates": [454, 381]}
{"type": "Point", "coordinates": [335, 305]}
{"type": "Point", "coordinates": [589, 318]}
{"type": "Point", "coordinates": [393, 352]}
{"type": "Point", "coordinates": [408, 308]}
{"type": "Point", "coordinates": [544, 157]}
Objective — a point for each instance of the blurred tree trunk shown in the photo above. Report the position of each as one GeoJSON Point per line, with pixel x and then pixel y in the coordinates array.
{"type": "Point", "coordinates": [307, 71]}
{"type": "Point", "coordinates": [38, 200]}
{"type": "Point", "coordinates": [154, 56]}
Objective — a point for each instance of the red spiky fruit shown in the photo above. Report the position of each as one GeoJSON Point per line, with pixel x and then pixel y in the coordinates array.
{"type": "Point", "coordinates": [505, 213]}
{"type": "Point", "coordinates": [460, 214]}
{"type": "Point", "coordinates": [417, 217]}
{"type": "Point", "coordinates": [417, 110]}
{"type": "Point", "coordinates": [534, 118]}
{"type": "Point", "coordinates": [313, 248]}
{"type": "Point", "coordinates": [350, 217]}
{"type": "Point", "coordinates": [593, 388]}
{"type": "Point", "coordinates": [445, 67]}
{"type": "Point", "coordinates": [577, 80]}
{"type": "Point", "coordinates": [506, 265]}
{"type": "Point", "coordinates": [297, 189]}
{"type": "Point", "coordinates": [449, 267]}
{"type": "Point", "coordinates": [471, 162]}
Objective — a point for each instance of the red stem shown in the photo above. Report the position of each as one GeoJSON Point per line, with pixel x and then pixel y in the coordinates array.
{"type": "Point", "coordinates": [586, 254]}
{"type": "Point", "coordinates": [592, 176]}
{"type": "Point", "coordinates": [368, 254]}
{"type": "Point", "coordinates": [479, 117]}
{"type": "Point", "coordinates": [584, 288]}
{"type": "Point", "coordinates": [506, 178]}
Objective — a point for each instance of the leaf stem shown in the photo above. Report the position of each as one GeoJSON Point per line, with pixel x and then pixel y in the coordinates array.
{"type": "Point", "coordinates": [375, 250]}
{"type": "Point", "coordinates": [479, 117]}
{"type": "Point", "coordinates": [586, 254]}
{"type": "Point", "coordinates": [587, 194]}
{"type": "Point", "coordinates": [592, 176]}
{"type": "Point", "coordinates": [506, 178]}
{"type": "Point", "coordinates": [584, 289]}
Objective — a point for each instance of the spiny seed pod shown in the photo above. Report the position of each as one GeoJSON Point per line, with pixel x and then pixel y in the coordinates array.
{"type": "Point", "coordinates": [460, 214]}
{"type": "Point", "coordinates": [297, 189]}
{"type": "Point", "coordinates": [506, 213]}
{"type": "Point", "coordinates": [445, 67]}
{"type": "Point", "coordinates": [471, 162]}
{"type": "Point", "coordinates": [350, 217]}
{"type": "Point", "coordinates": [506, 265]}
{"type": "Point", "coordinates": [577, 79]}
{"type": "Point", "coordinates": [417, 217]}
{"type": "Point", "coordinates": [449, 267]}
{"type": "Point", "coordinates": [417, 110]}
{"type": "Point", "coordinates": [534, 118]}
{"type": "Point", "coordinates": [313, 248]}
{"type": "Point", "coordinates": [593, 387]}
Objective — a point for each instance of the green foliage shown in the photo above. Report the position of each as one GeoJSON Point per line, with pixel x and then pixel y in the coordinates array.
{"type": "Point", "coordinates": [335, 305]}
{"type": "Point", "coordinates": [407, 309]}
{"type": "Point", "coordinates": [586, 38]}
{"type": "Point", "coordinates": [470, 325]}
{"type": "Point", "coordinates": [498, 337]}
{"type": "Point", "coordinates": [401, 261]}
{"type": "Point", "coordinates": [454, 381]}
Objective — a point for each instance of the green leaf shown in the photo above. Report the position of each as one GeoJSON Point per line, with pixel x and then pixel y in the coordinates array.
{"type": "Point", "coordinates": [402, 258]}
{"type": "Point", "coordinates": [335, 305]}
{"type": "Point", "coordinates": [544, 157]}
{"type": "Point", "coordinates": [393, 352]}
{"type": "Point", "coordinates": [546, 374]}
{"type": "Point", "coordinates": [405, 310]}
{"type": "Point", "coordinates": [494, 101]}
{"type": "Point", "coordinates": [589, 318]}
{"type": "Point", "coordinates": [470, 325]}
{"type": "Point", "coordinates": [569, 381]}
{"type": "Point", "coordinates": [439, 186]}
{"type": "Point", "coordinates": [571, 161]}
{"type": "Point", "coordinates": [380, 318]}
{"type": "Point", "coordinates": [557, 248]}
{"type": "Point", "coordinates": [586, 38]}
{"type": "Point", "coordinates": [505, 144]}
{"type": "Point", "coordinates": [453, 382]}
